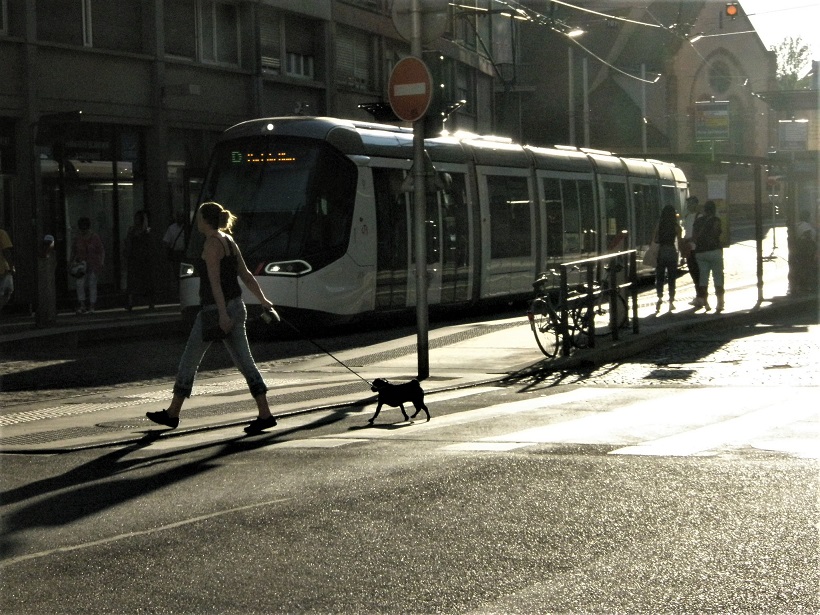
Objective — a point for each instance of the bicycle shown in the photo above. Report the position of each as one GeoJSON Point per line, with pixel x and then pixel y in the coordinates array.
{"type": "Point", "coordinates": [579, 314]}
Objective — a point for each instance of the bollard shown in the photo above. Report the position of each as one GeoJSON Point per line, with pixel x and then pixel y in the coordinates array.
{"type": "Point", "coordinates": [46, 314]}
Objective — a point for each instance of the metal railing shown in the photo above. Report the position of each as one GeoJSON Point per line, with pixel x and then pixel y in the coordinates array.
{"type": "Point", "coordinates": [612, 274]}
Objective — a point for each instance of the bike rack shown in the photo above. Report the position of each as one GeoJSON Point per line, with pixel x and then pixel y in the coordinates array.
{"type": "Point", "coordinates": [593, 269]}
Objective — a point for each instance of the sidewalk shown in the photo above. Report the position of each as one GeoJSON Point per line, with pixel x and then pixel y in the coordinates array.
{"type": "Point", "coordinates": [460, 356]}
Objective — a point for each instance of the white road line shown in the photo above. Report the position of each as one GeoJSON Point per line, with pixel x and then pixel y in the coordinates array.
{"type": "Point", "coordinates": [738, 430]}
{"type": "Point", "coordinates": [117, 537]}
{"type": "Point", "coordinates": [459, 418]}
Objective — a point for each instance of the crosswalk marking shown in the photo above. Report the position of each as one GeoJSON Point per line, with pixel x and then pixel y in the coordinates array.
{"type": "Point", "coordinates": [668, 422]}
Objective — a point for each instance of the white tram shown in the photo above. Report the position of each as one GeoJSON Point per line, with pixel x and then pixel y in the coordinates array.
{"type": "Point", "coordinates": [325, 215]}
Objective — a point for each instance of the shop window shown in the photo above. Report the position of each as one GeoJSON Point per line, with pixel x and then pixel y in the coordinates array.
{"type": "Point", "coordinates": [354, 60]}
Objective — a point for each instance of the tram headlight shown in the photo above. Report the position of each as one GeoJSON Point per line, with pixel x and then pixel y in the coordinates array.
{"type": "Point", "coordinates": [186, 270]}
{"type": "Point", "coordinates": [292, 268]}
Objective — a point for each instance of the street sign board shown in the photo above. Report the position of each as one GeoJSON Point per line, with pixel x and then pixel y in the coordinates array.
{"type": "Point", "coordinates": [712, 120]}
{"type": "Point", "coordinates": [410, 89]}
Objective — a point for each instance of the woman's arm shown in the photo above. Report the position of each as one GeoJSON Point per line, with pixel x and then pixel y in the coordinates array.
{"type": "Point", "coordinates": [249, 280]}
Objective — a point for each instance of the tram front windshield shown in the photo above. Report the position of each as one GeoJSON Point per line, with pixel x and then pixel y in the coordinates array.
{"type": "Point", "coordinates": [293, 198]}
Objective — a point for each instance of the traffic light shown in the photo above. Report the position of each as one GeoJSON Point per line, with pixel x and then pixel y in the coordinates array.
{"type": "Point", "coordinates": [732, 9]}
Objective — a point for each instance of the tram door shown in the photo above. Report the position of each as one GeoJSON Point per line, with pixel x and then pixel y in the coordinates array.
{"type": "Point", "coordinates": [507, 231]}
{"type": "Point", "coordinates": [447, 240]}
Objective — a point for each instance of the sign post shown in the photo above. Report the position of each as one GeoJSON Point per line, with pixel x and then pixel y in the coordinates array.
{"type": "Point", "coordinates": [410, 92]}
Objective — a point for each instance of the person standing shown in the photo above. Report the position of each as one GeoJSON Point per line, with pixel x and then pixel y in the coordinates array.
{"type": "Point", "coordinates": [174, 243]}
{"type": "Point", "coordinates": [220, 266]}
{"type": "Point", "coordinates": [140, 256]}
{"type": "Point", "coordinates": [687, 246]}
{"type": "Point", "coordinates": [6, 268]}
{"type": "Point", "coordinates": [87, 248]}
{"type": "Point", "coordinates": [667, 235]}
{"type": "Point", "coordinates": [709, 252]}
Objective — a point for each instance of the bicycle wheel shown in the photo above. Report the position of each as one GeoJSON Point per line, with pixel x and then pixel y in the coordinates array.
{"type": "Point", "coordinates": [584, 316]}
{"type": "Point", "coordinates": [601, 312]}
{"type": "Point", "coordinates": [544, 326]}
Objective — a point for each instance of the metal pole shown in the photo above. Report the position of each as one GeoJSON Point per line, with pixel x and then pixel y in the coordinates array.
{"type": "Point", "coordinates": [758, 183]}
{"type": "Point", "coordinates": [643, 108]}
{"type": "Point", "coordinates": [585, 67]}
{"type": "Point", "coordinates": [571, 96]}
{"type": "Point", "coordinates": [420, 213]}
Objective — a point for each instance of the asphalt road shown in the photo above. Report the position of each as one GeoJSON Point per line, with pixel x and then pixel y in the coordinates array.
{"type": "Point", "coordinates": [682, 481]}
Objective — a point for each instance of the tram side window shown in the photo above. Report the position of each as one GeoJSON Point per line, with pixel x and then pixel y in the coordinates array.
{"type": "Point", "coordinates": [647, 211]}
{"type": "Point", "coordinates": [587, 202]}
{"type": "Point", "coordinates": [510, 231]}
{"type": "Point", "coordinates": [616, 216]}
{"type": "Point", "coordinates": [555, 219]}
{"type": "Point", "coordinates": [330, 212]}
{"type": "Point", "coordinates": [392, 238]}
{"type": "Point", "coordinates": [572, 216]}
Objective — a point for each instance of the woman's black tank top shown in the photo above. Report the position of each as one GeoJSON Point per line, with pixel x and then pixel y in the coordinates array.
{"type": "Point", "coordinates": [228, 272]}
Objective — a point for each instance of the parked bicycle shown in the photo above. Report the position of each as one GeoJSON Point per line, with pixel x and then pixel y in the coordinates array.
{"type": "Point", "coordinates": [577, 314]}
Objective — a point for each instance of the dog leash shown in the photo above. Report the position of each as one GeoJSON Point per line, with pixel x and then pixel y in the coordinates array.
{"type": "Point", "coordinates": [325, 350]}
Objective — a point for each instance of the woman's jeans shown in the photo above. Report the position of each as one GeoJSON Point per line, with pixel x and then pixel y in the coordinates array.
{"type": "Point", "coordinates": [711, 261]}
{"type": "Point", "coordinates": [237, 345]}
{"type": "Point", "coordinates": [90, 280]}
{"type": "Point", "coordinates": [667, 269]}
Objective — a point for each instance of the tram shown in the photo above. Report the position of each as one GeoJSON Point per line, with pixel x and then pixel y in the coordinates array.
{"type": "Point", "coordinates": [325, 213]}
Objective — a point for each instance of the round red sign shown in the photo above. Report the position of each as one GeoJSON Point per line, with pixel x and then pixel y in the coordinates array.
{"type": "Point", "coordinates": [410, 89]}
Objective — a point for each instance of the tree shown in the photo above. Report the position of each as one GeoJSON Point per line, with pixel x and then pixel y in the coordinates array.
{"type": "Point", "coordinates": [793, 60]}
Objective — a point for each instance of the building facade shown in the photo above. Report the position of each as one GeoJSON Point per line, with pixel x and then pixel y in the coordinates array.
{"type": "Point", "coordinates": [108, 108]}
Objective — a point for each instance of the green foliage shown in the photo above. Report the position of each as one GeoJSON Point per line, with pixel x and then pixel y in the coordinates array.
{"type": "Point", "coordinates": [793, 61]}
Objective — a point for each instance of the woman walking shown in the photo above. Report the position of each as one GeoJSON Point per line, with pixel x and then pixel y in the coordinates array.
{"type": "Point", "coordinates": [668, 235]}
{"type": "Point", "coordinates": [220, 265]}
{"type": "Point", "coordinates": [709, 253]}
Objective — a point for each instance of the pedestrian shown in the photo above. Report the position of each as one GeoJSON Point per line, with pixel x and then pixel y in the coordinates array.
{"type": "Point", "coordinates": [174, 243]}
{"type": "Point", "coordinates": [668, 236]}
{"type": "Point", "coordinates": [220, 294]}
{"type": "Point", "coordinates": [687, 246]}
{"type": "Point", "coordinates": [805, 254]}
{"type": "Point", "coordinates": [709, 253]}
{"type": "Point", "coordinates": [6, 268]}
{"type": "Point", "coordinates": [140, 256]}
{"type": "Point", "coordinates": [87, 259]}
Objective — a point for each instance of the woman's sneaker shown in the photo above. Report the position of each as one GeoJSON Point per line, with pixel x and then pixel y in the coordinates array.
{"type": "Point", "coordinates": [162, 417]}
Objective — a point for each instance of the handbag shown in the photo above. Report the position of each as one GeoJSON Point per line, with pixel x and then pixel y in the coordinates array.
{"type": "Point", "coordinates": [211, 331]}
{"type": "Point", "coordinates": [650, 257]}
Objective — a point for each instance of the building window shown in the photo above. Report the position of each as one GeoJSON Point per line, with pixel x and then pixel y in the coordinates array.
{"type": "Point", "coordinates": [180, 28]}
{"type": "Point", "coordinates": [90, 23]}
{"type": "Point", "coordinates": [300, 65]}
{"type": "Point", "coordinates": [117, 25]}
{"type": "Point", "coordinates": [720, 76]}
{"type": "Point", "coordinates": [64, 21]}
{"type": "Point", "coordinates": [354, 60]}
{"type": "Point", "coordinates": [270, 41]}
{"type": "Point", "coordinates": [219, 32]}
{"type": "Point", "coordinates": [4, 17]}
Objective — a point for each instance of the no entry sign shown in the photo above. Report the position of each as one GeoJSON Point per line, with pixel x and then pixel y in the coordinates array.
{"type": "Point", "coordinates": [410, 89]}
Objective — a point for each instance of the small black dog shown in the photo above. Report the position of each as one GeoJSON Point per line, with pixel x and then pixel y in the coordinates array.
{"type": "Point", "coordinates": [397, 395]}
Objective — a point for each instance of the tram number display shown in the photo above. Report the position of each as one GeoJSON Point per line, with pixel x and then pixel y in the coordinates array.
{"type": "Point", "coordinates": [262, 157]}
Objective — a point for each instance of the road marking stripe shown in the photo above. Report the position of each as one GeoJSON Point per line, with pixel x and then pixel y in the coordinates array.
{"type": "Point", "coordinates": [733, 431]}
{"type": "Point", "coordinates": [117, 537]}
